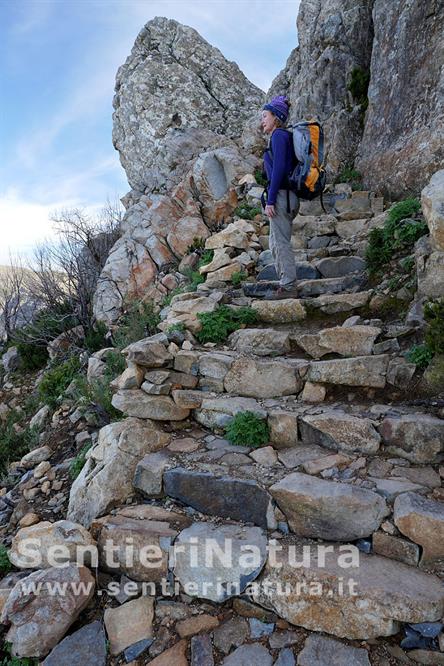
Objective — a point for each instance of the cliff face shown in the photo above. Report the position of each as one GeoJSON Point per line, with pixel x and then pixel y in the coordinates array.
{"type": "Point", "coordinates": [335, 38]}
{"type": "Point", "coordinates": [175, 96]}
{"type": "Point", "coordinates": [397, 143]}
{"type": "Point", "coordinates": [403, 140]}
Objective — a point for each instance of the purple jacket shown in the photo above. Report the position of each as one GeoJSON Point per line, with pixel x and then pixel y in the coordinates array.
{"type": "Point", "coordinates": [278, 162]}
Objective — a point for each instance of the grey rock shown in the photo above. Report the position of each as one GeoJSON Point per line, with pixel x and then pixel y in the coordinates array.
{"type": "Point", "coordinates": [148, 477]}
{"type": "Point", "coordinates": [260, 341]}
{"type": "Point", "coordinates": [339, 431]}
{"type": "Point", "coordinates": [201, 651]}
{"type": "Point", "coordinates": [323, 509]}
{"type": "Point", "coordinates": [246, 655]}
{"type": "Point", "coordinates": [224, 496]}
{"type": "Point", "coordinates": [11, 359]}
{"type": "Point", "coordinates": [231, 633]}
{"type": "Point", "coordinates": [416, 437]}
{"type": "Point", "coordinates": [340, 266]}
{"type": "Point", "coordinates": [359, 371]}
{"type": "Point", "coordinates": [325, 651]}
{"type": "Point", "coordinates": [259, 629]}
{"type": "Point", "coordinates": [131, 653]}
{"type": "Point", "coordinates": [285, 658]}
{"type": "Point", "coordinates": [218, 577]}
{"type": "Point", "coordinates": [86, 645]}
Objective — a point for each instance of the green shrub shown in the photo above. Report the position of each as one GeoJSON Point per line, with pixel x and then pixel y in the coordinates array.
{"type": "Point", "coordinates": [139, 321]}
{"type": "Point", "coordinates": [10, 660]}
{"type": "Point", "coordinates": [247, 211]}
{"type": "Point", "coordinates": [5, 564]}
{"type": "Point", "coordinates": [238, 277]}
{"type": "Point", "coordinates": [420, 355]}
{"type": "Point", "coordinates": [79, 461]}
{"type": "Point", "coordinates": [350, 175]}
{"type": "Point", "coordinates": [197, 244]}
{"type": "Point", "coordinates": [217, 325]}
{"type": "Point", "coordinates": [434, 316]}
{"type": "Point", "coordinates": [95, 337]}
{"type": "Point", "coordinates": [399, 233]}
{"type": "Point", "coordinates": [248, 429]}
{"type": "Point", "coordinates": [261, 178]}
{"type": "Point", "coordinates": [14, 440]}
{"type": "Point", "coordinates": [56, 380]}
{"type": "Point", "coordinates": [194, 279]}
{"type": "Point", "coordinates": [176, 327]}
{"type": "Point", "coordinates": [358, 86]}
{"type": "Point", "coordinates": [32, 340]}
{"type": "Point", "coordinates": [206, 258]}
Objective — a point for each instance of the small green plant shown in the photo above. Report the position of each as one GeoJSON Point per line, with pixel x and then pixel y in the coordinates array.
{"type": "Point", "coordinates": [217, 325]}
{"type": "Point", "coordinates": [248, 429]}
{"type": "Point", "coordinates": [420, 355]}
{"type": "Point", "coordinates": [15, 441]}
{"type": "Point", "coordinates": [238, 277]}
{"type": "Point", "coordinates": [358, 86]}
{"type": "Point", "coordinates": [194, 279]}
{"type": "Point", "coordinates": [5, 563]}
{"type": "Point", "coordinates": [261, 178]}
{"type": "Point", "coordinates": [247, 211]}
{"type": "Point", "coordinates": [350, 175]}
{"type": "Point", "coordinates": [79, 462]}
{"type": "Point", "coordinates": [197, 244]}
{"type": "Point", "coordinates": [434, 316]}
{"type": "Point", "coordinates": [407, 264]}
{"type": "Point", "coordinates": [399, 233]}
{"type": "Point", "coordinates": [139, 321]}
{"type": "Point", "coordinates": [56, 380]}
{"type": "Point", "coordinates": [10, 660]}
{"type": "Point", "coordinates": [206, 258]}
{"type": "Point", "coordinates": [176, 327]}
{"type": "Point", "coordinates": [95, 337]}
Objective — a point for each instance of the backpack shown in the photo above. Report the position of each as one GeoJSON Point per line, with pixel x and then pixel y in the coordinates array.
{"type": "Point", "coordinates": [308, 177]}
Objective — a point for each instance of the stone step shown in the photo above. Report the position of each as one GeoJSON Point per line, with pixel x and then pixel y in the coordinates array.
{"type": "Point", "coordinates": [333, 285]}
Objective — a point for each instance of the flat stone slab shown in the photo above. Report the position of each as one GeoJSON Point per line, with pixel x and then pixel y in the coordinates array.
{"type": "Point", "coordinates": [422, 521]}
{"type": "Point", "coordinates": [139, 404]}
{"type": "Point", "coordinates": [246, 655]}
{"type": "Point", "coordinates": [358, 371]}
{"type": "Point", "coordinates": [256, 378]}
{"type": "Point", "coordinates": [339, 431]}
{"type": "Point", "coordinates": [332, 285]}
{"type": "Point", "coordinates": [331, 267]}
{"type": "Point", "coordinates": [224, 496]}
{"type": "Point", "coordinates": [86, 645]}
{"type": "Point", "coordinates": [325, 651]}
{"type": "Point", "coordinates": [377, 592]}
{"type": "Point", "coordinates": [333, 303]}
{"type": "Point", "coordinates": [208, 561]}
{"type": "Point", "coordinates": [218, 412]}
{"type": "Point", "coordinates": [347, 341]}
{"type": "Point", "coordinates": [280, 312]}
{"type": "Point", "coordinates": [328, 510]}
{"type": "Point", "coordinates": [260, 341]}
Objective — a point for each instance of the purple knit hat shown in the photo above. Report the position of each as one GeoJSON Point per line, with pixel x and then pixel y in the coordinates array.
{"type": "Point", "coordinates": [278, 106]}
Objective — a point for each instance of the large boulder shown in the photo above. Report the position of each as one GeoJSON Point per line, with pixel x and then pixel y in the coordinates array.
{"type": "Point", "coordinates": [39, 621]}
{"type": "Point", "coordinates": [193, 102]}
{"type": "Point", "coordinates": [404, 128]}
{"type": "Point", "coordinates": [432, 199]}
{"type": "Point", "coordinates": [106, 479]}
{"type": "Point", "coordinates": [343, 592]}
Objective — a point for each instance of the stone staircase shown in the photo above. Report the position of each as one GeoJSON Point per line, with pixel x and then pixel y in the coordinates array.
{"type": "Point", "coordinates": [350, 463]}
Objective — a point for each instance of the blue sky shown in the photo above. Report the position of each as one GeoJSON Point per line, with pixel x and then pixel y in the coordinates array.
{"type": "Point", "coordinates": [58, 60]}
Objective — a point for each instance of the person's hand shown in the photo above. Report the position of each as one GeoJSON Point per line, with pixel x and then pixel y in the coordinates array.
{"type": "Point", "coordinates": [270, 211]}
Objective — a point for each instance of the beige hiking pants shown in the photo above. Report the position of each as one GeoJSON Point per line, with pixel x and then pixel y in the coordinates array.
{"type": "Point", "coordinates": [280, 238]}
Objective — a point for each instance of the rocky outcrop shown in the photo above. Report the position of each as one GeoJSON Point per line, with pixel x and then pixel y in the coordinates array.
{"type": "Point", "coordinates": [335, 38]}
{"type": "Point", "coordinates": [404, 126]}
{"type": "Point", "coordinates": [430, 252]}
{"type": "Point", "coordinates": [176, 96]}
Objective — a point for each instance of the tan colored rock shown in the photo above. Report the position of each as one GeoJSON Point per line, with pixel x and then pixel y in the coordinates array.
{"type": "Point", "coordinates": [283, 429]}
{"type": "Point", "coordinates": [187, 399]}
{"type": "Point", "coordinates": [193, 305]}
{"type": "Point", "coordinates": [266, 456]}
{"type": "Point", "coordinates": [106, 480]}
{"type": "Point", "coordinates": [130, 623]}
{"type": "Point", "coordinates": [29, 519]}
{"type": "Point", "coordinates": [147, 353]}
{"type": "Point", "coordinates": [197, 624]}
{"type": "Point", "coordinates": [396, 548]}
{"type": "Point", "coordinates": [39, 621]}
{"type": "Point", "coordinates": [131, 378]}
{"type": "Point", "coordinates": [35, 457]}
{"type": "Point", "coordinates": [184, 445]}
{"type": "Point", "coordinates": [313, 392]}
{"type": "Point", "coordinates": [422, 520]}
{"type": "Point", "coordinates": [357, 371]}
{"type": "Point", "coordinates": [73, 538]}
{"type": "Point", "coordinates": [377, 592]}
{"type": "Point", "coordinates": [261, 341]}
{"type": "Point", "coordinates": [256, 378]}
{"type": "Point", "coordinates": [353, 341]}
{"type": "Point", "coordinates": [140, 405]}
{"type": "Point", "coordinates": [175, 656]}
{"type": "Point", "coordinates": [231, 236]}
{"type": "Point", "coordinates": [223, 274]}
{"type": "Point", "coordinates": [280, 312]}
{"type": "Point", "coordinates": [41, 469]}
{"type": "Point", "coordinates": [326, 462]}
{"type": "Point", "coordinates": [334, 429]}
{"type": "Point", "coordinates": [184, 231]}
{"type": "Point", "coordinates": [333, 303]}
{"type": "Point", "coordinates": [221, 258]}
{"type": "Point", "coordinates": [432, 200]}
{"type": "Point", "coordinates": [416, 437]}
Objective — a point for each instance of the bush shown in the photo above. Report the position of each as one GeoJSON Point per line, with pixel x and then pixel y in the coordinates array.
{"type": "Point", "coordinates": [5, 564]}
{"type": "Point", "coordinates": [399, 233]}
{"type": "Point", "coordinates": [238, 277]}
{"type": "Point", "coordinates": [261, 178]}
{"type": "Point", "coordinates": [176, 327]}
{"type": "Point", "coordinates": [358, 86]}
{"type": "Point", "coordinates": [247, 211]}
{"type": "Point", "coordinates": [95, 337]}
{"type": "Point", "coordinates": [56, 380]}
{"type": "Point", "coordinates": [434, 316]}
{"type": "Point", "coordinates": [79, 462]}
{"type": "Point", "coordinates": [15, 441]}
{"type": "Point", "coordinates": [217, 325]}
{"type": "Point", "coordinates": [194, 279]}
{"type": "Point", "coordinates": [248, 429]}
{"type": "Point", "coordinates": [206, 258]}
{"type": "Point", "coordinates": [350, 175]}
{"type": "Point", "coordinates": [139, 321]}
{"type": "Point", "coordinates": [420, 355]}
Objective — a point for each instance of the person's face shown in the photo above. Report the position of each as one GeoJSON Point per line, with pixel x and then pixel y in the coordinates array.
{"type": "Point", "coordinates": [268, 122]}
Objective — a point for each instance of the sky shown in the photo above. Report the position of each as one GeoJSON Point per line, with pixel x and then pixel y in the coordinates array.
{"type": "Point", "coordinates": [58, 61]}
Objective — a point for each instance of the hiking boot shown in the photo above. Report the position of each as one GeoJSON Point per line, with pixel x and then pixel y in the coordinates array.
{"type": "Point", "coordinates": [281, 293]}
{"type": "Point", "coordinates": [258, 289]}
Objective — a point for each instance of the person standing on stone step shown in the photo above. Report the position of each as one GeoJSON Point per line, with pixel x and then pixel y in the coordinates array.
{"type": "Point", "coordinates": [279, 203]}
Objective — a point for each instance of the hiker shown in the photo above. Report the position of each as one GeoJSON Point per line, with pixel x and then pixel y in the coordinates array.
{"type": "Point", "coordinates": [280, 203]}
